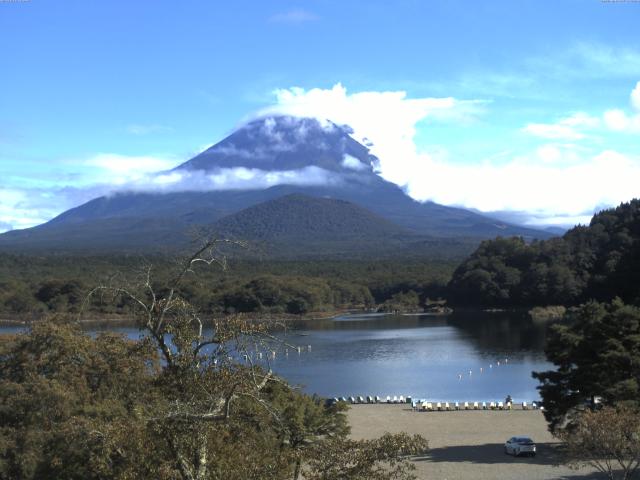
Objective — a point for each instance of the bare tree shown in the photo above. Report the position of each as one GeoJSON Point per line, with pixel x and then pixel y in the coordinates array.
{"type": "Point", "coordinates": [217, 400]}
{"type": "Point", "coordinates": [209, 365]}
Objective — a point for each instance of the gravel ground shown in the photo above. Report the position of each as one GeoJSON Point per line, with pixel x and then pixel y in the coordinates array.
{"type": "Point", "coordinates": [469, 444]}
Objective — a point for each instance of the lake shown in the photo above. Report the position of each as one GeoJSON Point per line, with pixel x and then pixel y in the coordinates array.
{"type": "Point", "coordinates": [462, 357]}
{"type": "Point", "coordinates": [467, 356]}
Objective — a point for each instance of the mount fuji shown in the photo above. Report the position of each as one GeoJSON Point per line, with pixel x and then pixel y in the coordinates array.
{"type": "Point", "coordinates": [281, 179]}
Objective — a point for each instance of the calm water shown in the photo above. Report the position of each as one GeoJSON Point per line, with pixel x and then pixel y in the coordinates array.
{"type": "Point", "coordinates": [419, 356]}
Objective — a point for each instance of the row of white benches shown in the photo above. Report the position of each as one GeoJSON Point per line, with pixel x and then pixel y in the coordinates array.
{"type": "Point", "coordinates": [425, 406]}
{"type": "Point", "coordinates": [370, 399]}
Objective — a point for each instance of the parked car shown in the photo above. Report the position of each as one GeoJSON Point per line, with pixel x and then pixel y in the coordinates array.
{"type": "Point", "coordinates": [520, 446]}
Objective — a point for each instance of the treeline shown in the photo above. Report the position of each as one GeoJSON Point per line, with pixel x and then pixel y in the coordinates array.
{"type": "Point", "coordinates": [34, 286]}
{"type": "Point", "coordinates": [600, 261]}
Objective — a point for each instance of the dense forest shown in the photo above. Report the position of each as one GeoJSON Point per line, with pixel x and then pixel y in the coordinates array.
{"type": "Point", "coordinates": [33, 286]}
{"type": "Point", "coordinates": [600, 261]}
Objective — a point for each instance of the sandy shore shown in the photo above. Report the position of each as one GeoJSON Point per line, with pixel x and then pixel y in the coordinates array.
{"type": "Point", "coordinates": [468, 444]}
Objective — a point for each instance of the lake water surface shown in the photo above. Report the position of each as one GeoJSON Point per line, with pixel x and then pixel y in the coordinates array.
{"type": "Point", "coordinates": [463, 357]}
{"type": "Point", "coordinates": [452, 358]}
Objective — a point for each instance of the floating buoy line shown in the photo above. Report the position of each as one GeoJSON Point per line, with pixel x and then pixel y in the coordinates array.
{"type": "Point", "coordinates": [481, 369]}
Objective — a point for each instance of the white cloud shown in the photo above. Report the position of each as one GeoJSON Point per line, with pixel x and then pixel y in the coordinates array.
{"type": "Point", "coordinates": [120, 169]}
{"type": "Point", "coordinates": [581, 119]}
{"type": "Point", "coordinates": [30, 207]}
{"type": "Point", "coordinates": [618, 120]}
{"type": "Point", "coordinates": [16, 210]}
{"type": "Point", "coordinates": [555, 182]}
{"type": "Point", "coordinates": [561, 154]}
{"type": "Point", "coordinates": [569, 128]}
{"type": "Point", "coordinates": [526, 184]}
{"type": "Point", "coordinates": [238, 178]}
{"type": "Point", "coordinates": [553, 131]}
{"type": "Point", "coordinates": [387, 118]}
{"type": "Point", "coordinates": [353, 163]}
{"type": "Point", "coordinates": [635, 97]}
{"type": "Point", "coordinates": [294, 16]}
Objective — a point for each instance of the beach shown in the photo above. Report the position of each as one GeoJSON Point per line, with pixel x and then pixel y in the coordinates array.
{"type": "Point", "coordinates": [469, 444]}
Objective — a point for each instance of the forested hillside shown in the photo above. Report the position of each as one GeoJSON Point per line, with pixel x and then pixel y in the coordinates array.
{"type": "Point", "coordinates": [32, 286]}
{"type": "Point", "coordinates": [599, 261]}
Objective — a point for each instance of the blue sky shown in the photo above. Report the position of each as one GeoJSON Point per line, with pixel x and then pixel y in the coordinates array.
{"type": "Point", "coordinates": [528, 107]}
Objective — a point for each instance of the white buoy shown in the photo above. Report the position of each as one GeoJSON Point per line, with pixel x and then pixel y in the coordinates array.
{"type": "Point", "coordinates": [299, 350]}
{"type": "Point", "coordinates": [480, 369]}
{"type": "Point", "coordinates": [308, 348]}
{"type": "Point", "coordinates": [490, 365]}
{"type": "Point", "coordinates": [459, 376]}
{"type": "Point", "coordinates": [498, 364]}
{"type": "Point", "coordinates": [470, 372]}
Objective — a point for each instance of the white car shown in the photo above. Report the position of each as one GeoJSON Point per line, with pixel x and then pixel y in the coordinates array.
{"type": "Point", "coordinates": [520, 446]}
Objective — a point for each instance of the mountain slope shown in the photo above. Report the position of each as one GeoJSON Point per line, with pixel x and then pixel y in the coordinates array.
{"type": "Point", "coordinates": [298, 216]}
{"type": "Point", "coordinates": [299, 155]}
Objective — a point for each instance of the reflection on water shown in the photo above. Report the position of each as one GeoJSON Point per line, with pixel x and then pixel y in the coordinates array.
{"type": "Point", "coordinates": [452, 358]}
{"type": "Point", "coordinates": [456, 358]}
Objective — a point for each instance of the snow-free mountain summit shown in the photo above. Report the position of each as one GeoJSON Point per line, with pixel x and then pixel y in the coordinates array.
{"type": "Point", "coordinates": [264, 160]}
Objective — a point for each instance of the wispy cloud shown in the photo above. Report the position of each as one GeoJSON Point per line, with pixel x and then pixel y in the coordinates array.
{"type": "Point", "coordinates": [584, 60]}
{"type": "Point", "coordinates": [604, 60]}
{"type": "Point", "coordinates": [17, 210]}
{"type": "Point", "coordinates": [528, 78]}
{"type": "Point", "coordinates": [30, 206]}
{"type": "Point", "coordinates": [118, 169]}
{"type": "Point", "coordinates": [238, 178]}
{"type": "Point", "coordinates": [295, 16]}
{"type": "Point", "coordinates": [575, 126]}
{"type": "Point", "coordinates": [569, 128]}
{"type": "Point", "coordinates": [41, 196]}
